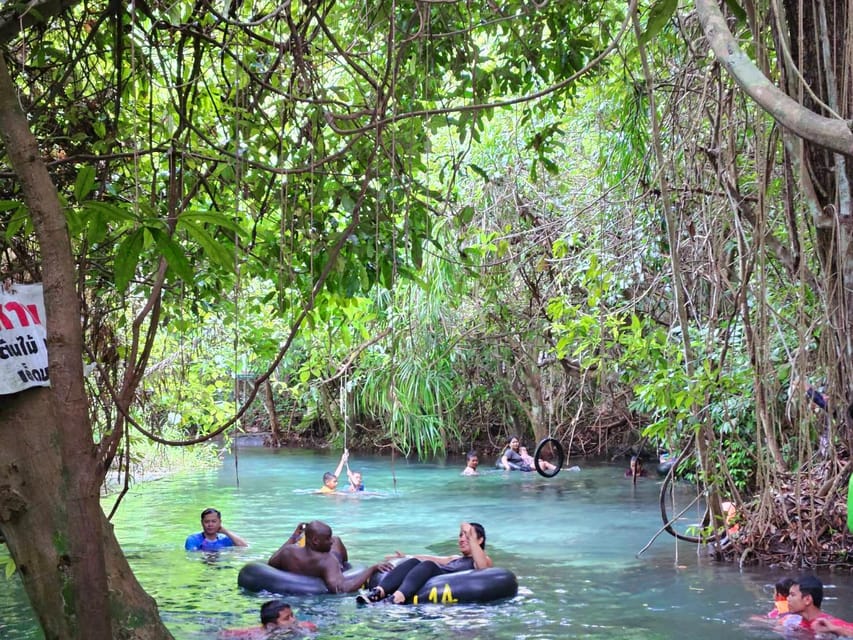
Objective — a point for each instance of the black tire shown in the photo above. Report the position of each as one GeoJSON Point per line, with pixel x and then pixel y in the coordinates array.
{"type": "Point", "coordinates": [558, 464]}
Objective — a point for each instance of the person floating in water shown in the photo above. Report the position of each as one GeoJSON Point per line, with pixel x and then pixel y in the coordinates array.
{"type": "Point", "coordinates": [804, 599]}
{"type": "Point", "coordinates": [323, 556]}
{"type": "Point", "coordinates": [330, 480]}
{"type": "Point", "coordinates": [780, 614]}
{"type": "Point", "coordinates": [780, 598]}
{"type": "Point", "coordinates": [275, 615]}
{"type": "Point", "coordinates": [213, 535]}
{"type": "Point", "coordinates": [471, 462]}
{"type": "Point", "coordinates": [405, 580]}
{"type": "Point", "coordinates": [511, 459]}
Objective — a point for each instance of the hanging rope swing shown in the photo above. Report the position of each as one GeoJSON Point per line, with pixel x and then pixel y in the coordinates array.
{"type": "Point", "coordinates": [549, 456]}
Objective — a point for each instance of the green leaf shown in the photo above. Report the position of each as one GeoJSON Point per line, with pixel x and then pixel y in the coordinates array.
{"type": "Point", "coordinates": [127, 255]}
{"type": "Point", "coordinates": [480, 172]}
{"type": "Point", "coordinates": [98, 215]}
{"type": "Point", "coordinates": [216, 219]}
{"type": "Point", "coordinates": [466, 214]}
{"type": "Point", "coordinates": [174, 254]}
{"type": "Point", "coordinates": [109, 212]}
{"type": "Point", "coordinates": [97, 228]}
{"type": "Point", "coordinates": [737, 10]}
{"type": "Point", "coordinates": [19, 220]}
{"type": "Point", "coordinates": [659, 15]}
{"type": "Point", "coordinates": [84, 183]}
{"type": "Point", "coordinates": [417, 252]}
{"type": "Point", "coordinates": [212, 249]}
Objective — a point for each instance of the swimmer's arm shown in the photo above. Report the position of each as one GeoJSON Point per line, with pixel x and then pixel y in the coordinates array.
{"type": "Point", "coordinates": [478, 554]}
{"type": "Point", "coordinates": [237, 540]}
{"type": "Point", "coordinates": [277, 559]}
{"type": "Point", "coordinates": [344, 458]}
{"type": "Point", "coordinates": [337, 582]}
{"type": "Point", "coordinates": [481, 558]}
{"type": "Point", "coordinates": [298, 532]}
{"type": "Point", "coordinates": [824, 625]}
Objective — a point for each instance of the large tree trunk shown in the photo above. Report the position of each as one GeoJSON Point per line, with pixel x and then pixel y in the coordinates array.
{"type": "Point", "coordinates": [49, 471]}
{"type": "Point", "coordinates": [39, 525]}
{"type": "Point", "coordinates": [819, 41]}
{"type": "Point", "coordinates": [269, 404]}
{"type": "Point", "coordinates": [816, 107]}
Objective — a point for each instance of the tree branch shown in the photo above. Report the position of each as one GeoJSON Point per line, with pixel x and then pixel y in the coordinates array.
{"type": "Point", "coordinates": [21, 16]}
{"type": "Point", "coordinates": [830, 133]}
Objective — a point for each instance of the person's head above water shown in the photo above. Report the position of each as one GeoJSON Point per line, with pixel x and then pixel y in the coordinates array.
{"type": "Point", "coordinates": [783, 587]}
{"type": "Point", "coordinates": [318, 536]}
{"type": "Point", "coordinates": [514, 443]}
{"type": "Point", "coordinates": [463, 539]}
{"type": "Point", "coordinates": [330, 480]}
{"type": "Point", "coordinates": [804, 588]}
{"type": "Point", "coordinates": [271, 612]}
{"type": "Point", "coordinates": [211, 521]}
{"type": "Point", "coordinates": [472, 459]}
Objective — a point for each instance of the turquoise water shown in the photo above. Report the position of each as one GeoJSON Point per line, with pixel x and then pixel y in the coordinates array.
{"type": "Point", "coordinates": [572, 540]}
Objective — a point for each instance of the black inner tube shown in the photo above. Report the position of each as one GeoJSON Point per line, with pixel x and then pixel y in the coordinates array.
{"type": "Point", "coordinates": [667, 525]}
{"type": "Point", "coordinates": [558, 463]}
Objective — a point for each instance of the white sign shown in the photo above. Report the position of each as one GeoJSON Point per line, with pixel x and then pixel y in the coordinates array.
{"type": "Point", "coordinates": [23, 338]}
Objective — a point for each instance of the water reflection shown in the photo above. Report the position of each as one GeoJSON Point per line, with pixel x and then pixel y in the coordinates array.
{"type": "Point", "coordinates": [572, 541]}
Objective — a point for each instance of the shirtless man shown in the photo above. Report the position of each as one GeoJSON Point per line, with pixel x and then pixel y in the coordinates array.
{"type": "Point", "coordinates": [323, 556]}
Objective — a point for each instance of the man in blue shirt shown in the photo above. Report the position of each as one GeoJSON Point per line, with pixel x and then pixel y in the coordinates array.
{"type": "Point", "coordinates": [213, 535]}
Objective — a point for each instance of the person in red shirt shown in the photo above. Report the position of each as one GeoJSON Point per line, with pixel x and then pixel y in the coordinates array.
{"type": "Point", "coordinates": [804, 599]}
{"type": "Point", "coordinates": [833, 625]}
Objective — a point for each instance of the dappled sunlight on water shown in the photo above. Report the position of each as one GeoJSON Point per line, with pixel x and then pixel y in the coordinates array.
{"type": "Point", "coordinates": [572, 541]}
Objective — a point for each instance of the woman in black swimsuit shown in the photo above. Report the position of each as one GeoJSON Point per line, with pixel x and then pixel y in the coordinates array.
{"type": "Point", "coordinates": [404, 580]}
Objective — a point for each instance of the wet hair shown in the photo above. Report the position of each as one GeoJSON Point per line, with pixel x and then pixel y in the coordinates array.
{"type": "Point", "coordinates": [481, 533]}
{"type": "Point", "coordinates": [329, 476]}
{"type": "Point", "coordinates": [811, 586]}
{"type": "Point", "coordinates": [271, 609]}
{"type": "Point", "coordinates": [207, 512]}
{"type": "Point", "coordinates": [471, 454]}
{"type": "Point", "coordinates": [783, 586]}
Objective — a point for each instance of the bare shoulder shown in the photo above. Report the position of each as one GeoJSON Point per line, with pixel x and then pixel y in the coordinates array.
{"type": "Point", "coordinates": [281, 557]}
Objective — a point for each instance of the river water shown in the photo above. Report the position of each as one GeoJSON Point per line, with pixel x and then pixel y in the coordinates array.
{"type": "Point", "coordinates": [573, 541]}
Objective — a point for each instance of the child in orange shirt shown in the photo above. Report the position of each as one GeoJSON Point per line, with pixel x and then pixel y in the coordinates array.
{"type": "Point", "coordinates": [780, 598]}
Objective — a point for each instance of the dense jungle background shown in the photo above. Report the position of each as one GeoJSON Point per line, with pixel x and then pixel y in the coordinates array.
{"type": "Point", "coordinates": [421, 227]}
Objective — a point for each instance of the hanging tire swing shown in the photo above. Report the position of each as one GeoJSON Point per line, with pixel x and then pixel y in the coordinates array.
{"type": "Point", "coordinates": [553, 445]}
